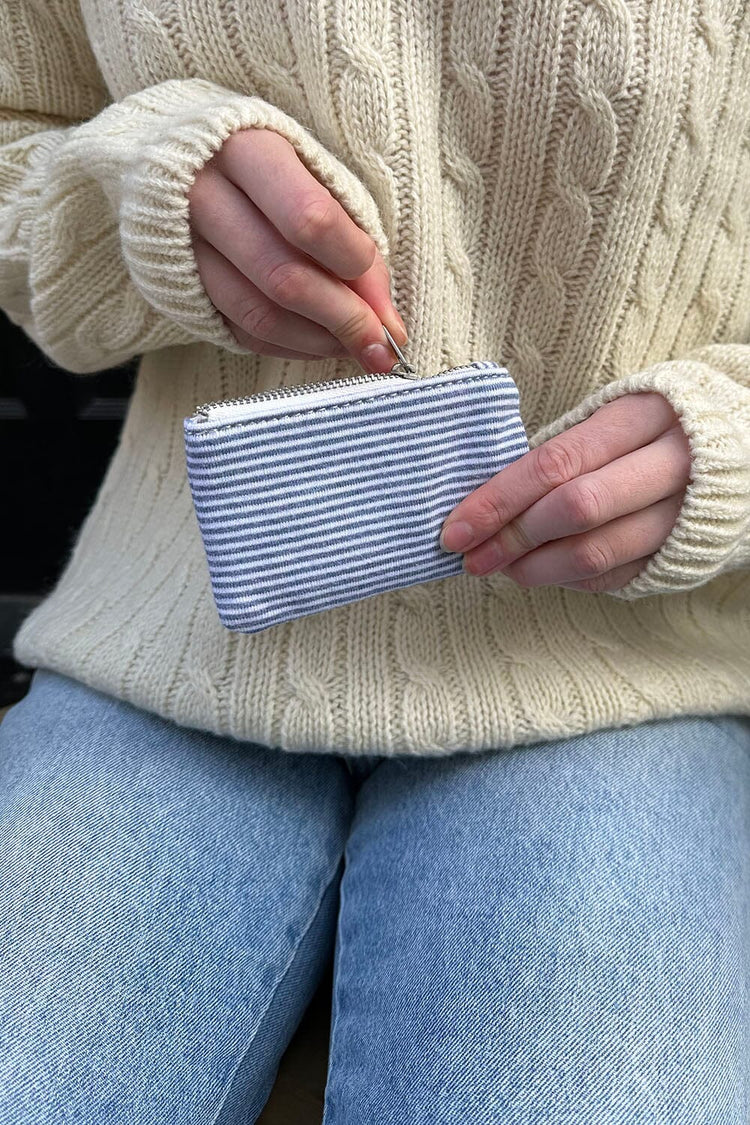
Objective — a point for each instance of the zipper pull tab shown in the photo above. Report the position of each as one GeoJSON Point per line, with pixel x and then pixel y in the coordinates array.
{"type": "Point", "coordinates": [402, 367]}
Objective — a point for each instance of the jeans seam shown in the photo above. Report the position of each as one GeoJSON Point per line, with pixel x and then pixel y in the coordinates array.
{"type": "Point", "coordinates": [215, 1119]}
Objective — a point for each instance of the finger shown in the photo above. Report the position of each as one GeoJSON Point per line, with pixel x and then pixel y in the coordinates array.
{"type": "Point", "coordinates": [615, 429]}
{"type": "Point", "coordinates": [582, 557]}
{"type": "Point", "coordinates": [612, 580]}
{"type": "Point", "coordinates": [262, 347]}
{"type": "Point", "coordinates": [374, 288]}
{"type": "Point", "coordinates": [253, 314]}
{"type": "Point", "coordinates": [266, 167]}
{"type": "Point", "coordinates": [628, 484]}
{"type": "Point", "coordinates": [224, 217]}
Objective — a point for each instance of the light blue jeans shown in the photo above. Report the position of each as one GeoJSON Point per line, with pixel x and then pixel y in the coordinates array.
{"type": "Point", "coordinates": [554, 933]}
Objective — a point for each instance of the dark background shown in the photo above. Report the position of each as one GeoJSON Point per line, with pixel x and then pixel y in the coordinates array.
{"type": "Point", "coordinates": [58, 432]}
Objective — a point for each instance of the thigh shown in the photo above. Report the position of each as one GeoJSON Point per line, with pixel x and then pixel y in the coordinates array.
{"type": "Point", "coordinates": [557, 932]}
{"type": "Point", "coordinates": [168, 904]}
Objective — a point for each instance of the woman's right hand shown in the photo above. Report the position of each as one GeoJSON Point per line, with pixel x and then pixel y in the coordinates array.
{"type": "Point", "coordinates": [281, 259]}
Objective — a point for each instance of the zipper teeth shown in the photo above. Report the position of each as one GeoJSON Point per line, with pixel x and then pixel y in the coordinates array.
{"type": "Point", "coordinates": [305, 388]}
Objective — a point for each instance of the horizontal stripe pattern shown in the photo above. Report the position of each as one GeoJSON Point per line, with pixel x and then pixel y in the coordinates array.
{"type": "Point", "coordinates": [311, 509]}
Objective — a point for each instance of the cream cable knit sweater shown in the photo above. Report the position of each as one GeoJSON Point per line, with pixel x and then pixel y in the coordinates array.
{"type": "Point", "coordinates": [560, 185]}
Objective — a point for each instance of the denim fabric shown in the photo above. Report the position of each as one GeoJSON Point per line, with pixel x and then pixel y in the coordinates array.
{"type": "Point", "coordinates": [556, 933]}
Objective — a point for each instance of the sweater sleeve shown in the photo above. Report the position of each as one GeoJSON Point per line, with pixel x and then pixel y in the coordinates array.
{"type": "Point", "coordinates": [709, 390]}
{"type": "Point", "coordinates": [96, 260]}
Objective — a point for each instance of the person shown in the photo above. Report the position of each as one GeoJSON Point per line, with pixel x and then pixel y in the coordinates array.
{"type": "Point", "coordinates": [511, 804]}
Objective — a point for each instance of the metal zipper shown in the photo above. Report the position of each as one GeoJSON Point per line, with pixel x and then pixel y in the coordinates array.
{"type": "Point", "coordinates": [402, 367]}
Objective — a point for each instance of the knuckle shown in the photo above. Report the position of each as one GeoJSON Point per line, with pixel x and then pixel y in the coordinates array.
{"type": "Point", "coordinates": [352, 327]}
{"type": "Point", "coordinates": [591, 558]}
{"type": "Point", "coordinates": [258, 318]}
{"type": "Point", "coordinates": [556, 463]}
{"type": "Point", "coordinates": [288, 282]}
{"type": "Point", "coordinates": [518, 536]}
{"type": "Point", "coordinates": [315, 221]}
{"type": "Point", "coordinates": [583, 506]}
{"type": "Point", "coordinates": [489, 511]}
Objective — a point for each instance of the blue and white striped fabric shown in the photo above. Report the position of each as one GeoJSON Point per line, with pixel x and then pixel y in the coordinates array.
{"type": "Point", "coordinates": [309, 509]}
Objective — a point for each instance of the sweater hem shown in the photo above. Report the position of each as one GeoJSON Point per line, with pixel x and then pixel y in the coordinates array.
{"type": "Point", "coordinates": [589, 697]}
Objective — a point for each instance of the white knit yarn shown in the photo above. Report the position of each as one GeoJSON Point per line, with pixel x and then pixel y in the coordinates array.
{"type": "Point", "coordinates": [563, 187]}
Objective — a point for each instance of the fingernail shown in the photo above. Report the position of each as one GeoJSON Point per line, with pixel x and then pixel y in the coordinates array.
{"type": "Point", "coordinates": [456, 536]}
{"type": "Point", "coordinates": [377, 357]}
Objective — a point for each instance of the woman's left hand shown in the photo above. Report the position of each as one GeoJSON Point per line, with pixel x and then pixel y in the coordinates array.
{"type": "Point", "coordinates": [587, 508]}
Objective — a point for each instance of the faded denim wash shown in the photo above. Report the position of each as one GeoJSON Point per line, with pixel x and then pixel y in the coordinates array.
{"type": "Point", "coordinates": [556, 933]}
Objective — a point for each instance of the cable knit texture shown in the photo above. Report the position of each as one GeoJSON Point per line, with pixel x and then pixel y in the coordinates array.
{"type": "Point", "coordinates": [559, 185]}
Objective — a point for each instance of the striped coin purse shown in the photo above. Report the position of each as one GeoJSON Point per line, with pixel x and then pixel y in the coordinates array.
{"type": "Point", "coordinates": [313, 496]}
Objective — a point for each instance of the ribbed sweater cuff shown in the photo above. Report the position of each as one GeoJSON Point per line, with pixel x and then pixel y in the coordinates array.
{"type": "Point", "coordinates": [191, 120]}
{"type": "Point", "coordinates": [712, 532]}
